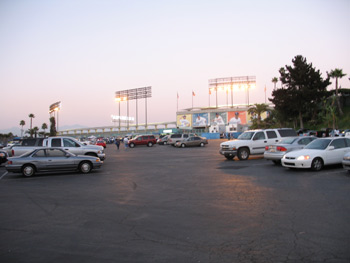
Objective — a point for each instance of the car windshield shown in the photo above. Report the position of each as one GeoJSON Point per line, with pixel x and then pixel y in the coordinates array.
{"type": "Point", "coordinates": [288, 140]}
{"type": "Point", "coordinates": [246, 136]}
{"type": "Point", "coordinates": [319, 144]}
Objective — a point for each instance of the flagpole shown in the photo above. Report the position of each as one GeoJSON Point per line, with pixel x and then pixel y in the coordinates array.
{"type": "Point", "coordinates": [177, 102]}
{"type": "Point", "coordinates": [192, 99]}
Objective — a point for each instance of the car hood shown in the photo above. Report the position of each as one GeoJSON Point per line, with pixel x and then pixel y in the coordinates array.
{"type": "Point", "coordinates": [93, 147]}
{"type": "Point", "coordinates": [235, 142]}
{"type": "Point", "coordinates": [310, 152]}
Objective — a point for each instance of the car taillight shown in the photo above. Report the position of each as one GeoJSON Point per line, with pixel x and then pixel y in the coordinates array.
{"type": "Point", "coordinates": [9, 162]}
{"type": "Point", "coordinates": [266, 148]}
{"type": "Point", "coordinates": [281, 149]}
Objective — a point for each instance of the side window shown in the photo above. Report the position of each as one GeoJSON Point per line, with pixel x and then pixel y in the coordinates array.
{"type": "Point", "coordinates": [271, 134]}
{"type": "Point", "coordinates": [304, 141]}
{"type": "Point", "coordinates": [347, 142]}
{"type": "Point", "coordinates": [55, 153]}
{"type": "Point", "coordinates": [40, 153]}
{"type": "Point", "coordinates": [259, 136]}
{"type": "Point", "coordinates": [197, 138]}
{"type": "Point", "coordinates": [56, 142]}
{"type": "Point", "coordinates": [340, 143]}
{"type": "Point", "coordinates": [185, 135]}
{"type": "Point", "coordinates": [68, 143]}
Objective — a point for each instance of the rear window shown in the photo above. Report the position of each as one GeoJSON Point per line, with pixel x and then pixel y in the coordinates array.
{"type": "Point", "coordinates": [287, 132]}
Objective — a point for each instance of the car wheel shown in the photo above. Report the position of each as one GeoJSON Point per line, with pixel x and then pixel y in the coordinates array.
{"type": "Point", "coordinates": [132, 145]}
{"type": "Point", "coordinates": [317, 164]}
{"type": "Point", "coordinates": [183, 145]}
{"type": "Point", "coordinates": [28, 170]}
{"type": "Point", "coordinates": [165, 143]}
{"type": "Point", "coordinates": [243, 154]}
{"type": "Point", "coordinates": [150, 144]}
{"type": "Point", "coordinates": [229, 157]}
{"type": "Point", "coordinates": [277, 162]}
{"type": "Point", "coordinates": [85, 167]}
{"type": "Point", "coordinates": [202, 144]}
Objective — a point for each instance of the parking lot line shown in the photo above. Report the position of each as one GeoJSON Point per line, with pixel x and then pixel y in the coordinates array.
{"type": "Point", "coordinates": [4, 175]}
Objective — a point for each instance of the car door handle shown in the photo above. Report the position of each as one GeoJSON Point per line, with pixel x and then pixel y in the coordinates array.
{"type": "Point", "coordinates": [265, 141]}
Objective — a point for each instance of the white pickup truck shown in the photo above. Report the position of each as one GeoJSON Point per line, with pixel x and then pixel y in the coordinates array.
{"type": "Point", "coordinates": [67, 143]}
{"type": "Point", "coordinates": [253, 142]}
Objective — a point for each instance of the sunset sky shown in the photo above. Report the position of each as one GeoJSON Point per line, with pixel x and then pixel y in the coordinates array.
{"type": "Point", "coordinates": [81, 52]}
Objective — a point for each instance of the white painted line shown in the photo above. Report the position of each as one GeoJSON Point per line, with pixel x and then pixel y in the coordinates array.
{"type": "Point", "coordinates": [4, 175]}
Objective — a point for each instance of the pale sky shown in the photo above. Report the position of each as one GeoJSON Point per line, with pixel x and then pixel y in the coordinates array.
{"type": "Point", "coordinates": [81, 52]}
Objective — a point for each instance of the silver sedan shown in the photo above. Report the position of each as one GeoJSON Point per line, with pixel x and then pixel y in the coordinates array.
{"type": "Point", "coordinates": [51, 159]}
{"type": "Point", "coordinates": [277, 151]}
{"type": "Point", "coordinates": [192, 141]}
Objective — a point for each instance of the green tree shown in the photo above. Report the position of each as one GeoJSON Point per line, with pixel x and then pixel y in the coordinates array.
{"type": "Point", "coordinates": [31, 116]}
{"type": "Point", "coordinates": [303, 89]}
{"type": "Point", "coordinates": [256, 111]}
{"type": "Point", "coordinates": [44, 127]}
{"type": "Point", "coordinates": [22, 123]}
{"type": "Point", "coordinates": [337, 74]}
{"type": "Point", "coordinates": [35, 131]}
{"type": "Point", "coordinates": [274, 81]}
{"type": "Point", "coordinates": [53, 131]}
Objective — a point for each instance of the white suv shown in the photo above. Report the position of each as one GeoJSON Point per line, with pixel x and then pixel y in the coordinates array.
{"type": "Point", "coordinates": [253, 142]}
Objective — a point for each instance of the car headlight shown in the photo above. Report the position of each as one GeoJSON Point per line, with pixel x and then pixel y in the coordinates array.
{"type": "Point", "coordinates": [303, 157]}
{"type": "Point", "coordinates": [346, 158]}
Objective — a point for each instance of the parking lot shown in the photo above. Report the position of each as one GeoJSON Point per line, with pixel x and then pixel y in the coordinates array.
{"type": "Point", "coordinates": [167, 204]}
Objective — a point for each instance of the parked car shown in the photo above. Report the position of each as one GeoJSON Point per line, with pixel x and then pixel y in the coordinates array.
{"type": "Point", "coordinates": [320, 152]}
{"type": "Point", "coordinates": [253, 142]}
{"type": "Point", "coordinates": [51, 159]}
{"type": "Point", "coordinates": [192, 141]}
{"type": "Point", "coordinates": [163, 140]}
{"type": "Point", "coordinates": [101, 143]}
{"type": "Point", "coordinates": [179, 137]}
{"type": "Point", "coordinates": [275, 152]}
{"type": "Point", "coordinates": [148, 140]}
{"type": "Point", "coordinates": [346, 161]}
{"type": "Point", "coordinates": [3, 156]}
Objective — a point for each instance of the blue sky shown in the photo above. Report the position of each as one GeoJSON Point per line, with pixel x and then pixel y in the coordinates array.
{"type": "Point", "coordinates": [81, 52]}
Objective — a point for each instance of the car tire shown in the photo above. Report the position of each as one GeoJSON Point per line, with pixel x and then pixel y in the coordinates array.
{"type": "Point", "coordinates": [276, 162]}
{"type": "Point", "coordinates": [183, 145]}
{"type": "Point", "coordinates": [202, 144]}
{"type": "Point", "coordinates": [132, 145]}
{"type": "Point", "coordinates": [165, 143]}
{"type": "Point", "coordinates": [150, 144]}
{"type": "Point", "coordinates": [243, 154]}
{"type": "Point", "coordinates": [317, 164]}
{"type": "Point", "coordinates": [28, 170]}
{"type": "Point", "coordinates": [229, 157]}
{"type": "Point", "coordinates": [85, 167]}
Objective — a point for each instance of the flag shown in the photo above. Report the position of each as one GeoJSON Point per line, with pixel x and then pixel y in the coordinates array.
{"type": "Point", "coordinates": [265, 89]}
{"type": "Point", "coordinates": [209, 91]}
{"type": "Point", "coordinates": [193, 94]}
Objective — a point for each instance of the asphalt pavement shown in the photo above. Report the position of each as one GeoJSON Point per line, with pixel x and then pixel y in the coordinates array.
{"type": "Point", "coordinates": [166, 204]}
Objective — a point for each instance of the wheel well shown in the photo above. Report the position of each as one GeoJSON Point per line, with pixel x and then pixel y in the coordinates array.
{"type": "Point", "coordinates": [244, 147]}
{"type": "Point", "coordinates": [85, 161]}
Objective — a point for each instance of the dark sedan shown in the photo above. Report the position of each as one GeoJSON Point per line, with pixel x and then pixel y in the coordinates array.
{"type": "Point", "coordinates": [51, 159]}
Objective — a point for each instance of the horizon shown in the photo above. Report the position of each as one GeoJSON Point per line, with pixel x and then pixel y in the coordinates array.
{"type": "Point", "coordinates": [103, 47]}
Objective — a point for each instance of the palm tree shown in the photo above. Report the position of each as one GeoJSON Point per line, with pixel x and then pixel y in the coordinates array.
{"type": "Point", "coordinates": [44, 127]}
{"type": "Point", "coordinates": [22, 123]}
{"type": "Point", "coordinates": [257, 110]}
{"type": "Point", "coordinates": [337, 74]}
{"type": "Point", "coordinates": [274, 80]}
{"type": "Point", "coordinates": [31, 116]}
{"type": "Point", "coordinates": [35, 130]}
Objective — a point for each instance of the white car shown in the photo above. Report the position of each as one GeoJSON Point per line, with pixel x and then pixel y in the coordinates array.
{"type": "Point", "coordinates": [320, 152]}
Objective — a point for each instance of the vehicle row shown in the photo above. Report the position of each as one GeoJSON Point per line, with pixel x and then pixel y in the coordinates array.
{"type": "Point", "coordinates": [292, 152]}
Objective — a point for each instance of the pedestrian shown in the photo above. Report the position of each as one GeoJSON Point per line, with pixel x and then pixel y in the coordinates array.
{"type": "Point", "coordinates": [126, 142]}
{"type": "Point", "coordinates": [117, 142]}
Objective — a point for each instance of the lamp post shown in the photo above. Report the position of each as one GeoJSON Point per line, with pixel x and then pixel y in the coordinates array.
{"type": "Point", "coordinates": [118, 100]}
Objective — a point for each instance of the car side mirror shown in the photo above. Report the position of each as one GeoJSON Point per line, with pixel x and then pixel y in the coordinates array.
{"type": "Point", "coordinates": [67, 155]}
{"type": "Point", "coordinates": [331, 148]}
